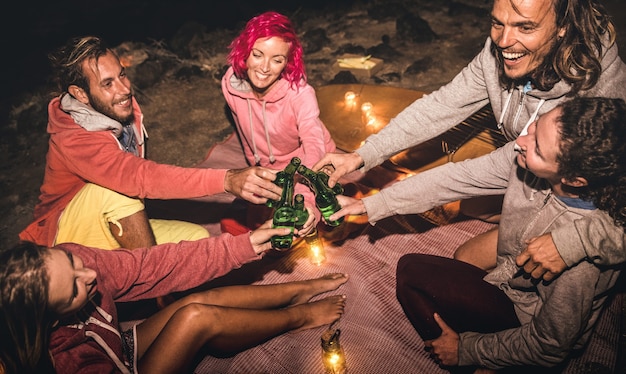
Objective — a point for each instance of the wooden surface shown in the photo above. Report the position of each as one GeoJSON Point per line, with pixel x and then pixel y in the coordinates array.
{"type": "Point", "coordinates": [475, 136]}
{"type": "Point", "coordinates": [346, 122]}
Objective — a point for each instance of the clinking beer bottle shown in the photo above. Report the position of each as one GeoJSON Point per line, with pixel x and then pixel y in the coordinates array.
{"type": "Point", "coordinates": [284, 178]}
{"type": "Point", "coordinates": [325, 198]}
{"type": "Point", "coordinates": [284, 214]}
{"type": "Point", "coordinates": [284, 217]}
{"type": "Point", "coordinates": [300, 211]}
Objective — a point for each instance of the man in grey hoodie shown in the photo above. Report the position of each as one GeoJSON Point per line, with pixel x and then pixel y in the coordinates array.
{"type": "Point", "coordinates": [539, 53]}
{"type": "Point", "coordinates": [569, 165]}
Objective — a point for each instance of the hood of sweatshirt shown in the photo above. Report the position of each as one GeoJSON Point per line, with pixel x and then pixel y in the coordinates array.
{"type": "Point", "coordinates": [65, 112]}
{"type": "Point", "coordinates": [87, 117]}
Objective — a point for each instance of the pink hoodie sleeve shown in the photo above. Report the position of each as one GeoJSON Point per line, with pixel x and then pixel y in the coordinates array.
{"type": "Point", "coordinates": [151, 272]}
{"type": "Point", "coordinates": [97, 158]}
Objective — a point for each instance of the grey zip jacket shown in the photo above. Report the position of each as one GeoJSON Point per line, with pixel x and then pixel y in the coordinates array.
{"type": "Point", "coordinates": [476, 86]}
{"type": "Point", "coordinates": [556, 317]}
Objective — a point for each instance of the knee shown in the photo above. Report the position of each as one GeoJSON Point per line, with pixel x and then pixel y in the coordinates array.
{"type": "Point", "coordinates": [196, 298]}
{"type": "Point", "coordinates": [408, 266]}
{"type": "Point", "coordinates": [192, 314]}
{"type": "Point", "coordinates": [460, 254]}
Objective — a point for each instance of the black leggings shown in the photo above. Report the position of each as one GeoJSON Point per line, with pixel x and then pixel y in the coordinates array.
{"type": "Point", "coordinates": [426, 284]}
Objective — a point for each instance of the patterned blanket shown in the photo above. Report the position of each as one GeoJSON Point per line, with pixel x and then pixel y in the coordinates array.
{"type": "Point", "coordinates": [375, 334]}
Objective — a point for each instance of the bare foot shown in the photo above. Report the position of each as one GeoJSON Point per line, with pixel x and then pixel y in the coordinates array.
{"type": "Point", "coordinates": [313, 287]}
{"type": "Point", "coordinates": [321, 312]}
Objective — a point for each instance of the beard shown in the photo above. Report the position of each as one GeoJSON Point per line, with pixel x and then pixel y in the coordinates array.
{"type": "Point", "coordinates": [108, 111]}
{"type": "Point", "coordinates": [543, 77]}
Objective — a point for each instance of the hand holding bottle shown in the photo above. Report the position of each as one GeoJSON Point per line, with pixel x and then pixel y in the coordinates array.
{"type": "Point", "coordinates": [349, 206]}
{"type": "Point", "coordinates": [338, 165]}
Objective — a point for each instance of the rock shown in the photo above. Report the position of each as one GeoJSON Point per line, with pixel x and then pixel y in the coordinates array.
{"type": "Point", "coordinates": [414, 28]}
{"type": "Point", "coordinates": [344, 77]}
{"type": "Point", "coordinates": [314, 40]}
{"type": "Point", "coordinates": [419, 66]}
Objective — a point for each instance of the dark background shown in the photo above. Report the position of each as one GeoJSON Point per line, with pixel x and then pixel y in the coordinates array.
{"type": "Point", "coordinates": [31, 29]}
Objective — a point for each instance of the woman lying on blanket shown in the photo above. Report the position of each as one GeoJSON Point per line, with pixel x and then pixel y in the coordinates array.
{"type": "Point", "coordinates": [58, 314]}
{"type": "Point", "coordinates": [570, 164]}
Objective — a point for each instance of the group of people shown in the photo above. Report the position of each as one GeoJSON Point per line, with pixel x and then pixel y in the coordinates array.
{"type": "Point", "coordinates": [549, 69]}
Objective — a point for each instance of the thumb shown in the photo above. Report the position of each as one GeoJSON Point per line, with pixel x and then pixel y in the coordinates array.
{"type": "Point", "coordinates": [522, 258]}
{"type": "Point", "coordinates": [442, 324]}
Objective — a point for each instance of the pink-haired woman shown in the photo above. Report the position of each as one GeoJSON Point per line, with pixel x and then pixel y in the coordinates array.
{"type": "Point", "coordinates": [274, 108]}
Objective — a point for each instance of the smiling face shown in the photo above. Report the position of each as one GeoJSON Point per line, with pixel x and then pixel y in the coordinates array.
{"type": "Point", "coordinates": [525, 32]}
{"type": "Point", "coordinates": [71, 284]}
{"type": "Point", "coordinates": [109, 88]}
{"type": "Point", "coordinates": [266, 62]}
{"type": "Point", "coordinates": [539, 148]}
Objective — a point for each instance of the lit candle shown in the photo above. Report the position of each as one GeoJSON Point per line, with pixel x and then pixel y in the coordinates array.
{"type": "Point", "coordinates": [350, 99]}
{"type": "Point", "coordinates": [317, 254]}
{"type": "Point", "coordinates": [367, 114]}
{"type": "Point", "coordinates": [332, 353]}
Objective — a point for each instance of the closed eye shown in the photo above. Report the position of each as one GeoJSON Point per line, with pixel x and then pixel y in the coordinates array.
{"type": "Point", "coordinates": [75, 287]}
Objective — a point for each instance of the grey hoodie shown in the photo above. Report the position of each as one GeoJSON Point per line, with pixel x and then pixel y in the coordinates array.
{"type": "Point", "coordinates": [556, 317]}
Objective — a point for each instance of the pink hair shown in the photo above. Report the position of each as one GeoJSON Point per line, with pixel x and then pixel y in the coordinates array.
{"type": "Point", "coordinates": [267, 25]}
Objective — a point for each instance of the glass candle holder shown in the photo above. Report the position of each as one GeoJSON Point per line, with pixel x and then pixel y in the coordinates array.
{"type": "Point", "coordinates": [317, 254]}
{"type": "Point", "coordinates": [333, 356]}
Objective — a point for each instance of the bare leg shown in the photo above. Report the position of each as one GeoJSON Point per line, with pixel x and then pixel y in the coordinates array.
{"type": "Point", "coordinates": [237, 318]}
{"type": "Point", "coordinates": [136, 231]}
{"type": "Point", "coordinates": [227, 330]}
{"type": "Point", "coordinates": [485, 208]}
{"type": "Point", "coordinates": [480, 251]}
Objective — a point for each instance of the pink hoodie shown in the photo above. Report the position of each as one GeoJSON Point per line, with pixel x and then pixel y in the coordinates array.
{"type": "Point", "coordinates": [77, 156]}
{"type": "Point", "coordinates": [283, 124]}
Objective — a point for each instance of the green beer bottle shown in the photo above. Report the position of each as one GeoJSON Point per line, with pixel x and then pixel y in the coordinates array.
{"type": "Point", "coordinates": [284, 179]}
{"type": "Point", "coordinates": [325, 197]}
{"type": "Point", "coordinates": [300, 211]}
{"type": "Point", "coordinates": [284, 215]}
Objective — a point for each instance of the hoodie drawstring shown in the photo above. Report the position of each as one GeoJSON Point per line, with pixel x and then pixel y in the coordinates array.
{"type": "Point", "coordinates": [257, 158]}
{"type": "Point", "coordinates": [532, 117]}
{"type": "Point", "coordinates": [267, 135]}
{"type": "Point", "coordinates": [504, 109]}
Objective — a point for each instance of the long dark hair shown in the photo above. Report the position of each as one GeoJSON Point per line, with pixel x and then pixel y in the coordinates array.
{"type": "Point", "coordinates": [25, 320]}
{"type": "Point", "coordinates": [576, 57]}
{"type": "Point", "coordinates": [593, 146]}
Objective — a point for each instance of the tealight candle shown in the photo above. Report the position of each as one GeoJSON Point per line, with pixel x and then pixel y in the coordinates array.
{"type": "Point", "coordinates": [317, 254]}
{"type": "Point", "coordinates": [350, 98]}
{"type": "Point", "coordinates": [367, 116]}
